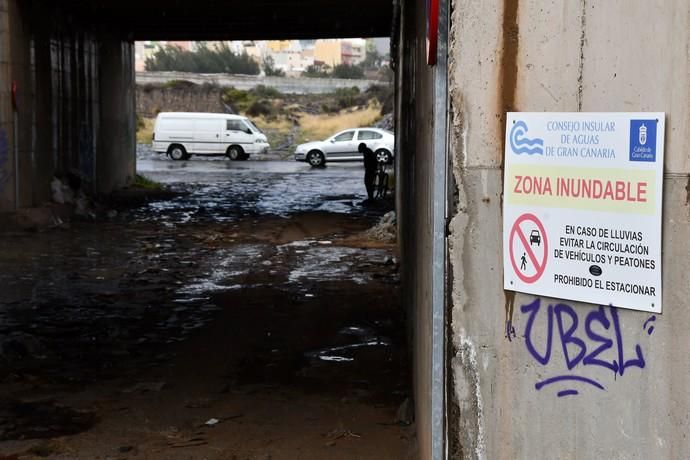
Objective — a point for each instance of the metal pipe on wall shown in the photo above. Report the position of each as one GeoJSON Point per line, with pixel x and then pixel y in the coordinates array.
{"type": "Point", "coordinates": [439, 252]}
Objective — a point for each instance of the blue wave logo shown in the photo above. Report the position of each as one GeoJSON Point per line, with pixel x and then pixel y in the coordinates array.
{"type": "Point", "coordinates": [522, 144]}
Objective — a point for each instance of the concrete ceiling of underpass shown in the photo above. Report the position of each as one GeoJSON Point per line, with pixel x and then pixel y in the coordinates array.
{"type": "Point", "coordinates": [235, 19]}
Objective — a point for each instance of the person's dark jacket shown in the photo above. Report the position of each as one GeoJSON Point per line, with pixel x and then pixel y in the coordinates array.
{"type": "Point", "coordinates": [370, 163]}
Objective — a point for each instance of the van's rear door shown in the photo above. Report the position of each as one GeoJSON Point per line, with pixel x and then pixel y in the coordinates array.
{"type": "Point", "coordinates": [173, 130]}
{"type": "Point", "coordinates": [207, 135]}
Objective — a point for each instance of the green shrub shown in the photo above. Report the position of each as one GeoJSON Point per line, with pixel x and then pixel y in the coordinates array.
{"type": "Point", "coordinates": [146, 183]}
{"type": "Point", "coordinates": [330, 107]}
{"type": "Point", "coordinates": [348, 71]}
{"type": "Point", "coordinates": [317, 71]}
{"type": "Point", "coordinates": [267, 92]}
{"type": "Point", "coordinates": [238, 99]}
{"type": "Point", "coordinates": [349, 97]}
{"type": "Point", "coordinates": [219, 59]}
{"type": "Point", "coordinates": [260, 107]}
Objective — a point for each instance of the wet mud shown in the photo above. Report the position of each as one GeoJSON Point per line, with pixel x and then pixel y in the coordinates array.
{"type": "Point", "coordinates": [244, 317]}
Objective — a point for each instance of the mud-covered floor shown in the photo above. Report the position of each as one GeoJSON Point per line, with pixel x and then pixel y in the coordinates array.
{"type": "Point", "coordinates": [246, 318]}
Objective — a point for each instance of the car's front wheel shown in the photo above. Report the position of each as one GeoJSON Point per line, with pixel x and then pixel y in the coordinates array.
{"type": "Point", "coordinates": [177, 152]}
{"type": "Point", "coordinates": [235, 153]}
{"type": "Point", "coordinates": [316, 159]}
{"type": "Point", "coordinates": [383, 156]}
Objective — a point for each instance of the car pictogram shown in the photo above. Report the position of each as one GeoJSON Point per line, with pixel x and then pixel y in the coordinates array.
{"type": "Point", "coordinates": [534, 237]}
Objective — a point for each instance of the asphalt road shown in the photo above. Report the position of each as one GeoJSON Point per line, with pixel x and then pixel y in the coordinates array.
{"type": "Point", "coordinates": [224, 190]}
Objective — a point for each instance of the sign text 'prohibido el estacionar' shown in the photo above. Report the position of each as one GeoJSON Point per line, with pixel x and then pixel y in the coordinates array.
{"type": "Point", "coordinates": [582, 207]}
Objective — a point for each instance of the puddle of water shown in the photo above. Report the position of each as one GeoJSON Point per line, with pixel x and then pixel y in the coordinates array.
{"type": "Point", "coordinates": [228, 266]}
{"type": "Point", "coordinates": [333, 263]}
{"type": "Point", "coordinates": [220, 191]}
{"type": "Point", "coordinates": [345, 353]}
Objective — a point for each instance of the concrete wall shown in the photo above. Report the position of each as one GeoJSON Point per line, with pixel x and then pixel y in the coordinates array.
{"type": "Point", "coordinates": [61, 123]}
{"type": "Point", "coordinates": [288, 85]}
{"type": "Point", "coordinates": [116, 156]}
{"type": "Point", "coordinates": [150, 99]}
{"type": "Point", "coordinates": [563, 55]}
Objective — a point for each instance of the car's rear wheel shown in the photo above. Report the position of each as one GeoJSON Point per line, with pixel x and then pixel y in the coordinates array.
{"type": "Point", "coordinates": [235, 153]}
{"type": "Point", "coordinates": [177, 152]}
{"type": "Point", "coordinates": [383, 156]}
{"type": "Point", "coordinates": [316, 159]}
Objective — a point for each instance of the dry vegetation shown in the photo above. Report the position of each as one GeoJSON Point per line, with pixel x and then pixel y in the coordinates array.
{"type": "Point", "coordinates": [319, 127]}
{"type": "Point", "coordinates": [145, 130]}
{"type": "Point", "coordinates": [276, 129]}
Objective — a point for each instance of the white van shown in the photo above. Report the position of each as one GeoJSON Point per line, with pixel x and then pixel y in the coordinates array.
{"type": "Point", "coordinates": [181, 135]}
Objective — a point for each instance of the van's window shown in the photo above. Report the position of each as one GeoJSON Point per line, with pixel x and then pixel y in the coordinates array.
{"type": "Point", "coordinates": [346, 136]}
{"type": "Point", "coordinates": [368, 135]}
{"type": "Point", "coordinates": [236, 125]}
{"type": "Point", "coordinates": [253, 126]}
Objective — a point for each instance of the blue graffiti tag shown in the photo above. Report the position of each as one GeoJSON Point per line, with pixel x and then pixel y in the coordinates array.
{"type": "Point", "coordinates": [602, 332]}
{"type": "Point", "coordinates": [522, 144]}
{"type": "Point", "coordinates": [4, 158]}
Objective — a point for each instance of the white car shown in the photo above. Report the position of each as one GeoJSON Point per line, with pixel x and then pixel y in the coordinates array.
{"type": "Point", "coordinates": [343, 146]}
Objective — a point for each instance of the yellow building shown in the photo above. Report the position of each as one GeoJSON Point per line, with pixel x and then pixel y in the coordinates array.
{"type": "Point", "coordinates": [328, 52]}
{"type": "Point", "coordinates": [278, 45]}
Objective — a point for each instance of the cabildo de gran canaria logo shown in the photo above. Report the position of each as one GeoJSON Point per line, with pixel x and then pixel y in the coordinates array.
{"type": "Point", "coordinates": [523, 144]}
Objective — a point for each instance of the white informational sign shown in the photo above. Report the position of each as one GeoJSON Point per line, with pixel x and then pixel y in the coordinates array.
{"type": "Point", "coordinates": [582, 207]}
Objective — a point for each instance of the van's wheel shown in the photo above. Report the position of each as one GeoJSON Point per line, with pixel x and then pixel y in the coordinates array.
{"type": "Point", "coordinates": [177, 152]}
{"type": "Point", "coordinates": [316, 159]}
{"type": "Point", "coordinates": [383, 156]}
{"type": "Point", "coordinates": [235, 153]}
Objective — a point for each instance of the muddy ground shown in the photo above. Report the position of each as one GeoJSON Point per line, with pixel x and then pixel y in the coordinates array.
{"type": "Point", "coordinates": [245, 318]}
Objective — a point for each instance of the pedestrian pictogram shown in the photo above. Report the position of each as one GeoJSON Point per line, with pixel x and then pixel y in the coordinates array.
{"type": "Point", "coordinates": [528, 246]}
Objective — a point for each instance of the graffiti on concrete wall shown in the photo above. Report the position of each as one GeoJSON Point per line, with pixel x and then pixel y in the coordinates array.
{"type": "Point", "coordinates": [577, 340]}
{"type": "Point", "coordinates": [86, 152]}
{"type": "Point", "coordinates": [5, 173]}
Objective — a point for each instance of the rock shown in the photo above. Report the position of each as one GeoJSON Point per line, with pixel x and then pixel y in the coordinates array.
{"type": "Point", "coordinates": [386, 122]}
{"type": "Point", "coordinates": [62, 192]}
{"type": "Point", "coordinates": [385, 230]}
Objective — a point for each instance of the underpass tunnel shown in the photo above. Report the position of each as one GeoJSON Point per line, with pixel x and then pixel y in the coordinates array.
{"type": "Point", "coordinates": [67, 107]}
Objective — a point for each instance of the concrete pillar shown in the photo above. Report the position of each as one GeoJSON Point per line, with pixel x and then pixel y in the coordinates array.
{"type": "Point", "coordinates": [585, 55]}
{"type": "Point", "coordinates": [21, 74]}
{"type": "Point", "coordinates": [43, 140]}
{"type": "Point", "coordinates": [116, 159]}
{"type": "Point", "coordinates": [416, 185]}
{"type": "Point", "coordinates": [75, 104]}
{"type": "Point", "coordinates": [6, 113]}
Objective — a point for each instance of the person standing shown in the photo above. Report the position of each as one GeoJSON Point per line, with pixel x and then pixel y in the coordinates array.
{"type": "Point", "coordinates": [370, 166]}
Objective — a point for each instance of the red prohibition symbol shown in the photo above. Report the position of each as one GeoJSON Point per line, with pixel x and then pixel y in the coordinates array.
{"type": "Point", "coordinates": [539, 265]}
